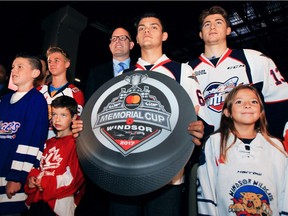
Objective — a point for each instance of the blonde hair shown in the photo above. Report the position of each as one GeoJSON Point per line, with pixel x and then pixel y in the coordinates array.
{"type": "Point", "coordinates": [57, 50]}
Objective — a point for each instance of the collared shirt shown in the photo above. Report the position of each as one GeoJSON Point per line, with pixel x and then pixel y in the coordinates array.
{"type": "Point", "coordinates": [116, 67]}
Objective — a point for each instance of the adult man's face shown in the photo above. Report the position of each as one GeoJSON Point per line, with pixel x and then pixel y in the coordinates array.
{"type": "Point", "coordinates": [118, 47]}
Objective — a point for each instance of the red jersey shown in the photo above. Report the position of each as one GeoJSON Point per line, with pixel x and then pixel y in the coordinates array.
{"type": "Point", "coordinates": [60, 173]}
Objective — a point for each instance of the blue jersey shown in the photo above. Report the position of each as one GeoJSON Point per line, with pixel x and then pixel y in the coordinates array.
{"type": "Point", "coordinates": [23, 132]}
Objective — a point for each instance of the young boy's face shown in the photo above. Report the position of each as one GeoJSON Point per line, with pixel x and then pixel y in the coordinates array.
{"type": "Point", "coordinates": [57, 63]}
{"type": "Point", "coordinates": [22, 72]}
{"type": "Point", "coordinates": [61, 120]}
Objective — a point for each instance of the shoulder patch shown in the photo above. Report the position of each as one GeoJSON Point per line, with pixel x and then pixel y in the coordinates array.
{"type": "Point", "coordinates": [75, 89]}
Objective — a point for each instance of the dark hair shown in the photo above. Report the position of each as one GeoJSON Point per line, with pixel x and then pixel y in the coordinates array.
{"type": "Point", "coordinates": [3, 74]}
{"type": "Point", "coordinates": [43, 58]}
{"type": "Point", "coordinates": [150, 14]}
{"type": "Point", "coordinates": [33, 60]}
{"type": "Point", "coordinates": [42, 75]}
{"type": "Point", "coordinates": [65, 102]}
{"type": "Point", "coordinates": [57, 50]}
{"type": "Point", "coordinates": [211, 11]}
{"type": "Point", "coordinates": [3, 69]}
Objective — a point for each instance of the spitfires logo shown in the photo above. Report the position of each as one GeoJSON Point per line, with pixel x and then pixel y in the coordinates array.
{"type": "Point", "coordinates": [131, 116]}
{"type": "Point", "coordinates": [216, 92]}
{"type": "Point", "coordinates": [252, 199]}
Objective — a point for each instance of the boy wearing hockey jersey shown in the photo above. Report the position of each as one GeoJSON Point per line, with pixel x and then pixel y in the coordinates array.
{"type": "Point", "coordinates": [220, 69]}
{"type": "Point", "coordinates": [58, 64]}
{"type": "Point", "coordinates": [59, 179]}
{"type": "Point", "coordinates": [24, 126]}
{"type": "Point", "coordinates": [243, 170]}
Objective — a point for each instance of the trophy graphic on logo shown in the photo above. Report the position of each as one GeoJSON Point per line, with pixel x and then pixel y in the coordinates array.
{"type": "Point", "coordinates": [135, 79]}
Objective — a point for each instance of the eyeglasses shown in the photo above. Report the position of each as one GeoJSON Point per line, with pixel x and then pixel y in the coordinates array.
{"type": "Point", "coordinates": [121, 38]}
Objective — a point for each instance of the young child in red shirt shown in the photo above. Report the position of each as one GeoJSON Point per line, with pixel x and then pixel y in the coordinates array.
{"type": "Point", "coordinates": [59, 181]}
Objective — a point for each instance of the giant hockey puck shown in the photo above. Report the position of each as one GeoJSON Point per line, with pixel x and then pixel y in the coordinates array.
{"type": "Point", "coordinates": [135, 137]}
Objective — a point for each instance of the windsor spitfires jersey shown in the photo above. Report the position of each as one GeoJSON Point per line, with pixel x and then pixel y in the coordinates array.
{"type": "Point", "coordinates": [68, 90]}
{"type": "Point", "coordinates": [182, 73]}
{"type": "Point", "coordinates": [252, 181]}
{"type": "Point", "coordinates": [244, 66]}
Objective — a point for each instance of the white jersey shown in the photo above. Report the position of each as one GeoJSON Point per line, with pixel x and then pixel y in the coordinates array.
{"type": "Point", "coordinates": [183, 74]}
{"type": "Point", "coordinates": [245, 66]}
{"type": "Point", "coordinates": [69, 90]}
{"type": "Point", "coordinates": [251, 182]}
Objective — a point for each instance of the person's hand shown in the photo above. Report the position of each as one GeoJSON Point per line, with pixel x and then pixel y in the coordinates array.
{"type": "Point", "coordinates": [32, 181]}
{"type": "Point", "coordinates": [196, 129]}
{"type": "Point", "coordinates": [12, 188]}
{"type": "Point", "coordinates": [38, 184]}
{"type": "Point", "coordinates": [77, 127]}
{"type": "Point", "coordinates": [35, 182]}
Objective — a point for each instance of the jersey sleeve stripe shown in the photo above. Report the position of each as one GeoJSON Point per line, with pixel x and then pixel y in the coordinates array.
{"type": "Point", "coordinates": [28, 150]}
{"type": "Point", "coordinates": [21, 166]}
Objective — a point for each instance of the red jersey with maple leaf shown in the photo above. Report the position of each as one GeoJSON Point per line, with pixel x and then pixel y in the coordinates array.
{"type": "Point", "coordinates": [60, 172]}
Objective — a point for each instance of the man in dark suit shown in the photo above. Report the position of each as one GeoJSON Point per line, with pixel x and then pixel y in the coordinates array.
{"type": "Point", "coordinates": [95, 199]}
{"type": "Point", "coordinates": [120, 46]}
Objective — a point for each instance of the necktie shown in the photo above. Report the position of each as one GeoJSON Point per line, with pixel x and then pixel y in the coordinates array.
{"type": "Point", "coordinates": [121, 67]}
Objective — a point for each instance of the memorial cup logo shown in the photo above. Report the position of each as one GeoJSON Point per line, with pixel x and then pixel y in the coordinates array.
{"type": "Point", "coordinates": [129, 118]}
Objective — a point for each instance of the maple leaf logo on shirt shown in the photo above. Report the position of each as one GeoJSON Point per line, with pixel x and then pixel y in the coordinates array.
{"type": "Point", "coordinates": [51, 160]}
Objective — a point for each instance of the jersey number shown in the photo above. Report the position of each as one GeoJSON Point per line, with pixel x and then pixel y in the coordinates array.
{"type": "Point", "coordinates": [276, 73]}
{"type": "Point", "coordinates": [201, 100]}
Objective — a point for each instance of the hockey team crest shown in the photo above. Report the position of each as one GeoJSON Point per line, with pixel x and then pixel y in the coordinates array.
{"type": "Point", "coordinates": [134, 116]}
{"type": "Point", "coordinates": [250, 198]}
{"type": "Point", "coordinates": [216, 93]}
{"type": "Point", "coordinates": [135, 137]}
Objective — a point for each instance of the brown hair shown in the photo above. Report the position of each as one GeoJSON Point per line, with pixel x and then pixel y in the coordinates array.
{"type": "Point", "coordinates": [227, 125]}
{"type": "Point", "coordinates": [211, 11]}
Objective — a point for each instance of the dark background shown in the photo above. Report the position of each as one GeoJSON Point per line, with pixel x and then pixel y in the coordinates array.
{"type": "Point", "coordinates": [260, 25]}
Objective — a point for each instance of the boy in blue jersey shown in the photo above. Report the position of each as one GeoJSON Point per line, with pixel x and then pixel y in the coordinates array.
{"type": "Point", "coordinates": [23, 131]}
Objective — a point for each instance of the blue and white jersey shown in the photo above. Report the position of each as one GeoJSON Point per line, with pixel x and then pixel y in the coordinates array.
{"type": "Point", "coordinates": [23, 132]}
{"type": "Point", "coordinates": [244, 66]}
{"type": "Point", "coordinates": [252, 180]}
